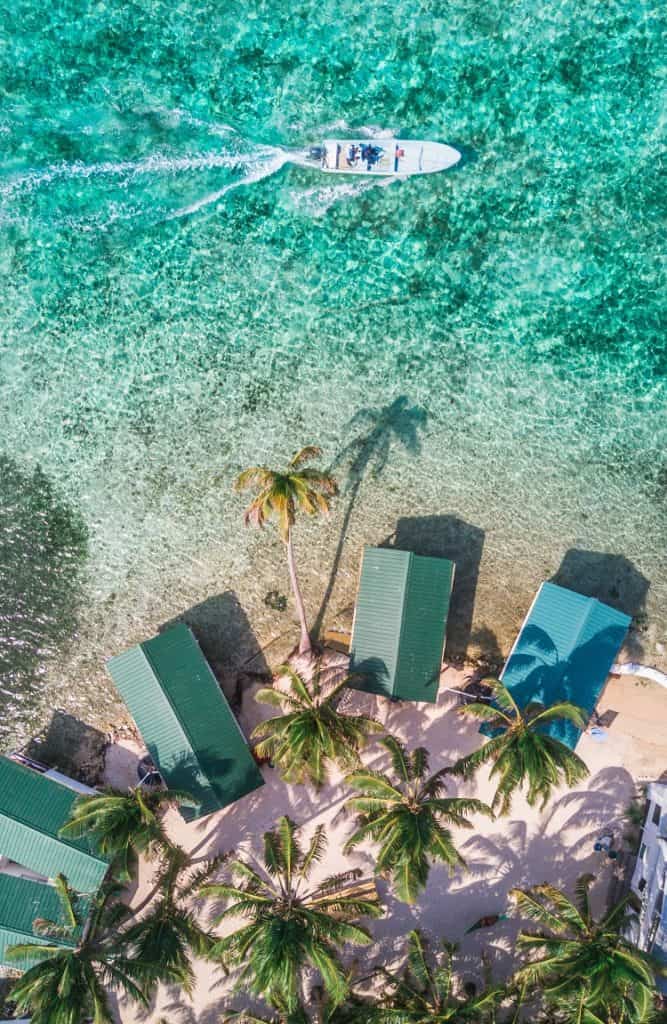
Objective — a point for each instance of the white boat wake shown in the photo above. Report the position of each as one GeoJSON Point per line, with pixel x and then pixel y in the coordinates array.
{"type": "Point", "coordinates": [244, 162]}
{"type": "Point", "coordinates": [128, 169]}
{"type": "Point", "coordinates": [317, 200]}
{"type": "Point", "coordinates": [272, 161]}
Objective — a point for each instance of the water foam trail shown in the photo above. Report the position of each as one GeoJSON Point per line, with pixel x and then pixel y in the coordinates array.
{"type": "Point", "coordinates": [253, 173]}
{"type": "Point", "coordinates": [317, 200]}
{"type": "Point", "coordinates": [158, 163]}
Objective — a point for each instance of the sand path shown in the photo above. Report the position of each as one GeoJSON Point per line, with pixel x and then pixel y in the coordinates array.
{"type": "Point", "coordinates": [525, 848]}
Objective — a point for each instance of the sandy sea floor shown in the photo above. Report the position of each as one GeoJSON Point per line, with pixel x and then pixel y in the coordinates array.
{"type": "Point", "coordinates": [479, 352]}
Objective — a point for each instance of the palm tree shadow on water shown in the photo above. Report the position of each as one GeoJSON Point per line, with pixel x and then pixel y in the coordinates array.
{"type": "Point", "coordinates": [377, 429]}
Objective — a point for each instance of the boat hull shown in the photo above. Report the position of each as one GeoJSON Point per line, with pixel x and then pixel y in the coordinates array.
{"type": "Point", "coordinates": [397, 158]}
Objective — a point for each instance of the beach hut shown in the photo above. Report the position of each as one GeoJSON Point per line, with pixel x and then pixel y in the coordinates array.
{"type": "Point", "coordinates": [564, 651]}
{"type": "Point", "coordinates": [22, 902]}
{"type": "Point", "coordinates": [33, 809]}
{"type": "Point", "coordinates": [185, 720]}
{"type": "Point", "coordinates": [398, 633]}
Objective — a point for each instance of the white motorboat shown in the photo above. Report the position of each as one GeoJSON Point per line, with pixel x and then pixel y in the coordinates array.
{"type": "Point", "coordinates": [397, 158]}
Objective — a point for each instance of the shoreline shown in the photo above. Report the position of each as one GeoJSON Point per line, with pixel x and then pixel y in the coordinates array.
{"type": "Point", "coordinates": [241, 634]}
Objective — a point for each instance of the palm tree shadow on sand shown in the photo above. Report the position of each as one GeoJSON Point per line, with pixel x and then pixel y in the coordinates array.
{"type": "Point", "coordinates": [367, 454]}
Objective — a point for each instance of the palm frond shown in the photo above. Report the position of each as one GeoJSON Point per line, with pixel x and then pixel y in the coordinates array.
{"type": "Point", "coordinates": [255, 476]}
{"type": "Point", "coordinates": [306, 454]}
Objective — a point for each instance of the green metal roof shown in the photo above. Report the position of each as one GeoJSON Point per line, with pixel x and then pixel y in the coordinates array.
{"type": "Point", "coordinates": [22, 901]}
{"type": "Point", "coordinates": [185, 720]}
{"type": "Point", "coordinates": [564, 651]}
{"type": "Point", "coordinates": [399, 626]}
{"type": "Point", "coordinates": [33, 809]}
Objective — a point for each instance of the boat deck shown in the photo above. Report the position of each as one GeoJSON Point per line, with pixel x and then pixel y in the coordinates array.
{"type": "Point", "coordinates": [370, 157]}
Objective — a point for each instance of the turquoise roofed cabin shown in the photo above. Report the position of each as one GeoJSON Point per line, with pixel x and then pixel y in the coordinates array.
{"type": "Point", "coordinates": [187, 725]}
{"type": "Point", "coordinates": [33, 809]}
{"type": "Point", "coordinates": [564, 651]}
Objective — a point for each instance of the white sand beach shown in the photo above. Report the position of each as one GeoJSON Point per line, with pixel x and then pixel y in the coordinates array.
{"type": "Point", "coordinates": [527, 847]}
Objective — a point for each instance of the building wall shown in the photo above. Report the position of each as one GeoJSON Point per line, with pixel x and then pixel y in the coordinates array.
{"type": "Point", "coordinates": [649, 880]}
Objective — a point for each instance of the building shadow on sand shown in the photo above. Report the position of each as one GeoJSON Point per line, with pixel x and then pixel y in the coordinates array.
{"type": "Point", "coordinates": [70, 746]}
{"type": "Point", "coordinates": [446, 536]}
{"type": "Point", "coordinates": [612, 579]}
{"type": "Point", "coordinates": [227, 640]}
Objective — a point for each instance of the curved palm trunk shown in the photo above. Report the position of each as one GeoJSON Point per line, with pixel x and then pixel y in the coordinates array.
{"type": "Point", "coordinates": [304, 644]}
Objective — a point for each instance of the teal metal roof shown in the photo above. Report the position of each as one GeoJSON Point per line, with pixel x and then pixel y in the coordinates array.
{"type": "Point", "coordinates": [22, 901]}
{"type": "Point", "coordinates": [564, 651]}
{"type": "Point", "coordinates": [33, 809]}
{"type": "Point", "coordinates": [185, 720]}
{"type": "Point", "coordinates": [400, 618]}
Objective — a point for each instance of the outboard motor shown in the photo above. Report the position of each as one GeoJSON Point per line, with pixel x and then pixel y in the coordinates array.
{"type": "Point", "coordinates": [317, 153]}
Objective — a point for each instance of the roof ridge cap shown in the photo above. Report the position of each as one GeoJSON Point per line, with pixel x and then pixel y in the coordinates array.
{"type": "Point", "coordinates": [175, 713]}
{"type": "Point", "coordinates": [38, 828]}
{"type": "Point", "coordinates": [406, 583]}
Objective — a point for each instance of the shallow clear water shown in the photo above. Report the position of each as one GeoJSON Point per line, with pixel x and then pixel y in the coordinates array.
{"type": "Point", "coordinates": [177, 302]}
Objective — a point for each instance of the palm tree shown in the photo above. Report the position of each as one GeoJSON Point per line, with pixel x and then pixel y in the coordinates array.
{"type": "Point", "coordinates": [282, 495]}
{"type": "Point", "coordinates": [368, 453]}
{"type": "Point", "coordinates": [407, 814]}
{"type": "Point", "coordinates": [423, 992]}
{"type": "Point", "coordinates": [124, 825]}
{"type": "Point", "coordinates": [291, 924]}
{"type": "Point", "coordinates": [68, 984]}
{"type": "Point", "coordinates": [521, 752]}
{"type": "Point", "coordinates": [352, 1011]}
{"type": "Point", "coordinates": [312, 732]}
{"type": "Point", "coordinates": [165, 939]}
{"type": "Point", "coordinates": [585, 968]}
{"type": "Point", "coordinates": [326, 1013]}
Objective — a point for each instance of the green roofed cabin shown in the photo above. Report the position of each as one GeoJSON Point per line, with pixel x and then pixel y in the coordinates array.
{"type": "Point", "coordinates": [185, 720]}
{"type": "Point", "coordinates": [33, 809]}
{"type": "Point", "coordinates": [22, 902]}
{"type": "Point", "coordinates": [564, 651]}
{"type": "Point", "coordinates": [398, 633]}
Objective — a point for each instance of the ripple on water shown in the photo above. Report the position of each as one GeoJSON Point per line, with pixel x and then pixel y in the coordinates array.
{"type": "Point", "coordinates": [514, 304]}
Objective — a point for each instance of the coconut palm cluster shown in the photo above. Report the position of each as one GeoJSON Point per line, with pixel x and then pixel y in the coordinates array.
{"type": "Point", "coordinates": [290, 935]}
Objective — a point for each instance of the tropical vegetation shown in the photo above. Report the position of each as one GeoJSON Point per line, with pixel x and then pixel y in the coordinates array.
{"type": "Point", "coordinates": [321, 1010]}
{"type": "Point", "coordinates": [522, 755]}
{"type": "Point", "coordinates": [406, 813]}
{"type": "Point", "coordinates": [312, 733]}
{"type": "Point", "coordinates": [281, 494]}
{"type": "Point", "coordinates": [586, 969]}
{"type": "Point", "coordinates": [292, 923]}
{"type": "Point", "coordinates": [68, 983]}
{"type": "Point", "coordinates": [164, 940]}
{"type": "Point", "coordinates": [424, 991]}
{"type": "Point", "coordinates": [124, 825]}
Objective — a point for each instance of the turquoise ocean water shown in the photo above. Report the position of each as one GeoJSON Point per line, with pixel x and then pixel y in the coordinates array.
{"type": "Point", "coordinates": [484, 349]}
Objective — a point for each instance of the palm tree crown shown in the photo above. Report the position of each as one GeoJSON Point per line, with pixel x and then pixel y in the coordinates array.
{"type": "Point", "coordinates": [164, 940]}
{"type": "Point", "coordinates": [312, 732]}
{"type": "Point", "coordinates": [281, 495]}
{"type": "Point", "coordinates": [67, 985]}
{"type": "Point", "coordinates": [423, 993]}
{"type": "Point", "coordinates": [124, 824]}
{"type": "Point", "coordinates": [406, 814]}
{"type": "Point", "coordinates": [291, 924]}
{"type": "Point", "coordinates": [586, 968]}
{"type": "Point", "coordinates": [522, 754]}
